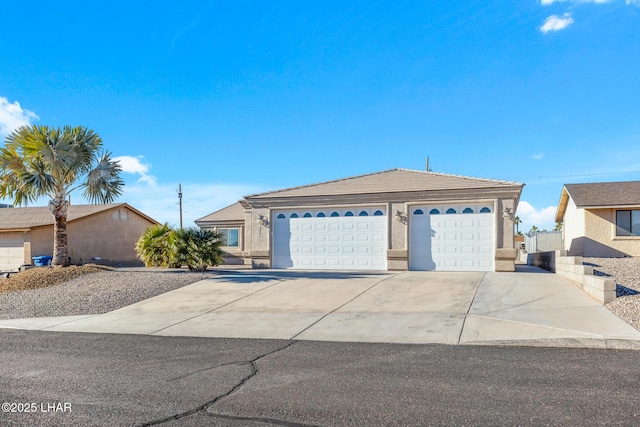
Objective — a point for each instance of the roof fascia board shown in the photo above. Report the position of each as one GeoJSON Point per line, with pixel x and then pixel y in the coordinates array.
{"type": "Point", "coordinates": [396, 197]}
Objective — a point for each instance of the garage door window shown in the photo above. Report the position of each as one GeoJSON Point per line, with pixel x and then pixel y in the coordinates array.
{"type": "Point", "coordinates": [335, 214]}
{"type": "Point", "coordinates": [294, 215]}
{"type": "Point", "coordinates": [451, 211]}
{"type": "Point", "coordinates": [321, 215]}
{"type": "Point", "coordinates": [363, 213]}
{"type": "Point", "coordinates": [418, 212]}
{"type": "Point", "coordinates": [485, 210]}
{"type": "Point", "coordinates": [434, 212]}
{"type": "Point", "coordinates": [349, 214]}
{"type": "Point", "coordinates": [378, 213]}
{"type": "Point", "coordinates": [307, 215]}
{"type": "Point", "coordinates": [281, 216]}
{"type": "Point", "coordinates": [467, 211]}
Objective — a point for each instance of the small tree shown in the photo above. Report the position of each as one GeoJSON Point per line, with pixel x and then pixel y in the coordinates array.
{"type": "Point", "coordinates": [153, 246]}
{"type": "Point", "coordinates": [517, 222]}
{"type": "Point", "coordinates": [41, 161]}
{"type": "Point", "coordinates": [558, 227]}
{"type": "Point", "coordinates": [195, 248]}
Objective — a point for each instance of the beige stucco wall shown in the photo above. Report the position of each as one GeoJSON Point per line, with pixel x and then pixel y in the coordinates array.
{"type": "Point", "coordinates": [95, 236]}
{"type": "Point", "coordinates": [259, 244]}
{"type": "Point", "coordinates": [600, 236]}
{"type": "Point", "coordinates": [573, 229]}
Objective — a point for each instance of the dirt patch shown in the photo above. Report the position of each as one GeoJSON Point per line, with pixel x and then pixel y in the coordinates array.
{"type": "Point", "coordinates": [43, 277]}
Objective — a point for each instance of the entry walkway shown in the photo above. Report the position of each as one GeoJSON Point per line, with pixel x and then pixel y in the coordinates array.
{"type": "Point", "coordinates": [529, 307]}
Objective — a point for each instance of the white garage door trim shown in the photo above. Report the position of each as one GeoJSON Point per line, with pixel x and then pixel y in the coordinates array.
{"type": "Point", "coordinates": [452, 238]}
{"type": "Point", "coordinates": [330, 239]}
{"type": "Point", "coordinates": [11, 251]}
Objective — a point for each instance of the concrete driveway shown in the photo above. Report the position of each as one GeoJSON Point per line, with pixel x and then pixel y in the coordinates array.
{"type": "Point", "coordinates": [529, 307]}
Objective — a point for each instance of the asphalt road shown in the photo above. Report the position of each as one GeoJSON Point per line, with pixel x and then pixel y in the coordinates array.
{"type": "Point", "coordinates": [102, 379]}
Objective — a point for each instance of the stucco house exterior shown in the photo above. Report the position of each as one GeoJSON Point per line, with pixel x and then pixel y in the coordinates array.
{"type": "Point", "coordinates": [600, 219]}
{"type": "Point", "coordinates": [108, 232]}
{"type": "Point", "coordinates": [397, 219]}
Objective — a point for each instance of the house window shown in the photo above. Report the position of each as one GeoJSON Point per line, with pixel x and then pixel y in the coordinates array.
{"type": "Point", "coordinates": [120, 215]}
{"type": "Point", "coordinates": [229, 237]}
{"type": "Point", "coordinates": [628, 223]}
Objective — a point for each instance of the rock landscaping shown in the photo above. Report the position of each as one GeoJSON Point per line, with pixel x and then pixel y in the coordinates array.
{"type": "Point", "coordinates": [45, 292]}
{"type": "Point", "coordinates": [626, 273]}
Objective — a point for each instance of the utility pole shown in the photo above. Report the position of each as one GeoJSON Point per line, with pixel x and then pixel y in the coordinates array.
{"type": "Point", "coordinates": [180, 198]}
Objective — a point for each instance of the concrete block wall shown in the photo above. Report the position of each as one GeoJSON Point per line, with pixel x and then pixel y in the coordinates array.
{"type": "Point", "coordinates": [601, 289]}
{"type": "Point", "coordinates": [571, 268]}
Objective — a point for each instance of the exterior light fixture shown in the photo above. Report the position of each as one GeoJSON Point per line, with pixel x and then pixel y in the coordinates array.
{"type": "Point", "coordinates": [262, 220]}
{"type": "Point", "coordinates": [401, 217]}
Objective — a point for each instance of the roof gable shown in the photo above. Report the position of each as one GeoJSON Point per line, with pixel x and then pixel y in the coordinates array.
{"type": "Point", "coordinates": [234, 212]}
{"type": "Point", "coordinates": [389, 181]}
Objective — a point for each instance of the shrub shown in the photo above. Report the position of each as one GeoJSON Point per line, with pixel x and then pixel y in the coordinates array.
{"type": "Point", "coordinates": [195, 248]}
{"type": "Point", "coordinates": [153, 246]}
{"type": "Point", "coordinates": [162, 246]}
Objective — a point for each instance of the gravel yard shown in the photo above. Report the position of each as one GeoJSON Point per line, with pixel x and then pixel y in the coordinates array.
{"type": "Point", "coordinates": [96, 293]}
{"type": "Point", "coordinates": [626, 273]}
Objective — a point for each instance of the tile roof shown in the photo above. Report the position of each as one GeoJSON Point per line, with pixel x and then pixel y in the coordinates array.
{"type": "Point", "coordinates": [230, 213]}
{"type": "Point", "coordinates": [389, 181]}
{"type": "Point", "coordinates": [625, 193]}
{"type": "Point", "coordinates": [29, 217]}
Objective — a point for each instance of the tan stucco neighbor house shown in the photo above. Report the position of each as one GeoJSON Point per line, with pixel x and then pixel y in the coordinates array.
{"type": "Point", "coordinates": [396, 219]}
{"type": "Point", "coordinates": [600, 219]}
{"type": "Point", "coordinates": [107, 232]}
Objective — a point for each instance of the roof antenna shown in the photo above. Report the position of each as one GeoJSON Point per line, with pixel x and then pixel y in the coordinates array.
{"type": "Point", "coordinates": [428, 168]}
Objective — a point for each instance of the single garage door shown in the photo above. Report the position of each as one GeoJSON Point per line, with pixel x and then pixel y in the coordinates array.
{"type": "Point", "coordinates": [330, 239]}
{"type": "Point", "coordinates": [452, 238]}
{"type": "Point", "coordinates": [11, 251]}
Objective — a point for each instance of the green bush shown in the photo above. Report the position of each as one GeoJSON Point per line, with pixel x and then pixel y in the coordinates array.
{"type": "Point", "coordinates": [195, 248]}
{"type": "Point", "coordinates": [162, 246]}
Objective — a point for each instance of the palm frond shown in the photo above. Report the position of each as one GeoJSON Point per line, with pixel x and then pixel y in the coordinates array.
{"type": "Point", "coordinates": [103, 182]}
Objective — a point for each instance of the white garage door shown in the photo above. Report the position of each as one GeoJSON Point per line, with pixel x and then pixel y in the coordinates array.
{"type": "Point", "coordinates": [452, 238]}
{"type": "Point", "coordinates": [330, 239]}
{"type": "Point", "coordinates": [11, 251]}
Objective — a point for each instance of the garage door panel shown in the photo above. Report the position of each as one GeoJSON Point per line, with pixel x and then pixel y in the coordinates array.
{"type": "Point", "coordinates": [454, 241]}
{"type": "Point", "coordinates": [11, 251]}
{"type": "Point", "coordinates": [330, 242]}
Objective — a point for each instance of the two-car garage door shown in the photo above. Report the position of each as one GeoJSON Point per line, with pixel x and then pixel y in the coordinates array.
{"type": "Point", "coordinates": [447, 238]}
{"type": "Point", "coordinates": [331, 239]}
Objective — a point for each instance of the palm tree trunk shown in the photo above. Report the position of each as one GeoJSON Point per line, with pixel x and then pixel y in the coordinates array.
{"type": "Point", "coordinates": [60, 247]}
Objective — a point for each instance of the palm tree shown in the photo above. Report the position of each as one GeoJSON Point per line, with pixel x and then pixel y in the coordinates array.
{"type": "Point", "coordinates": [517, 222]}
{"type": "Point", "coordinates": [41, 161]}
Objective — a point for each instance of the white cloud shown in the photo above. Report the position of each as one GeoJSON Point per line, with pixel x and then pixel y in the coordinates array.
{"type": "Point", "coordinates": [12, 116]}
{"type": "Point", "coordinates": [634, 2]}
{"type": "Point", "coordinates": [134, 165]}
{"type": "Point", "coordinates": [556, 23]}
{"type": "Point", "coordinates": [542, 218]}
{"type": "Point", "coordinates": [538, 156]}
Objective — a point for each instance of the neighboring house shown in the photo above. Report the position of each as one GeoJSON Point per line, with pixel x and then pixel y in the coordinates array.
{"type": "Point", "coordinates": [397, 219]}
{"type": "Point", "coordinates": [107, 232]}
{"type": "Point", "coordinates": [600, 219]}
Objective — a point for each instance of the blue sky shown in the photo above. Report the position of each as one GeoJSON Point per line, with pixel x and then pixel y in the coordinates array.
{"type": "Point", "coordinates": [233, 98]}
